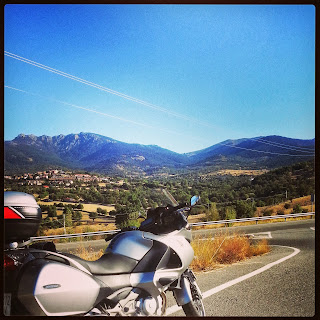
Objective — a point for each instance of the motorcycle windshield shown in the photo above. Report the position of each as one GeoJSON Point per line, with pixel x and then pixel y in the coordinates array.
{"type": "Point", "coordinates": [163, 197]}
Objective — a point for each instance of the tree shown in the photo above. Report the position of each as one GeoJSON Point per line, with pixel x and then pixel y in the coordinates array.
{"type": "Point", "coordinates": [93, 215]}
{"type": "Point", "coordinates": [297, 209]}
{"type": "Point", "coordinates": [230, 213]}
{"type": "Point", "coordinates": [52, 211]}
{"type": "Point", "coordinates": [77, 215]}
{"type": "Point", "coordinates": [212, 213]}
{"type": "Point", "coordinates": [245, 209]}
{"type": "Point", "coordinates": [80, 206]}
{"type": "Point", "coordinates": [68, 211]}
{"type": "Point", "coordinates": [127, 220]}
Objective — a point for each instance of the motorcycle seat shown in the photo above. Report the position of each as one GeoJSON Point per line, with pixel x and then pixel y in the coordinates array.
{"type": "Point", "coordinates": [109, 263]}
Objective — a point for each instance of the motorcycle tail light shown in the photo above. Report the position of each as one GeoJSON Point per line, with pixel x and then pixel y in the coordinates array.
{"type": "Point", "coordinates": [9, 264]}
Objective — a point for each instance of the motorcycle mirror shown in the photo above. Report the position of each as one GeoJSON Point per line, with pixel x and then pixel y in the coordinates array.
{"type": "Point", "coordinates": [194, 200]}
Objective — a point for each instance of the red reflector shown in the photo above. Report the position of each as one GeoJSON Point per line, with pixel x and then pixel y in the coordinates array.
{"type": "Point", "coordinates": [10, 214]}
{"type": "Point", "coordinates": [9, 263]}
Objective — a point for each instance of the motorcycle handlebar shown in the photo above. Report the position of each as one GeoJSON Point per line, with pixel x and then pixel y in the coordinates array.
{"type": "Point", "coordinates": [160, 215]}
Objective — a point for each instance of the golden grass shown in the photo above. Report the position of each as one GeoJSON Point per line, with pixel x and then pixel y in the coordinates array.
{"type": "Point", "coordinates": [80, 229]}
{"type": "Point", "coordinates": [249, 223]}
{"type": "Point", "coordinates": [86, 206]}
{"type": "Point", "coordinates": [209, 253]}
{"type": "Point", "coordinates": [225, 249]}
{"type": "Point", "coordinates": [88, 253]}
{"type": "Point", "coordinates": [304, 202]}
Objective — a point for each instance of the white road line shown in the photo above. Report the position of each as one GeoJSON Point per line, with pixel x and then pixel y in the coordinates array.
{"type": "Point", "coordinates": [261, 235]}
{"type": "Point", "coordinates": [228, 284]}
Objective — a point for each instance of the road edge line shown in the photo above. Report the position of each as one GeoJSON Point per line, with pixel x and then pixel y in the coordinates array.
{"type": "Point", "coordinates": [230, 283]}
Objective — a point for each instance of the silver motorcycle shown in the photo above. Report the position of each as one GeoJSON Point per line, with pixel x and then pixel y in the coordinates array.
{"type": "Point", "coordinates": [132, 277]}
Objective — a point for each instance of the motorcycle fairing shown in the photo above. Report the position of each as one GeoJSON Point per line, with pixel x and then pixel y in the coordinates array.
{"type": "Point", "coordinates": [51, 288]}
{"type": "Point", "coordinates": [109, 263]}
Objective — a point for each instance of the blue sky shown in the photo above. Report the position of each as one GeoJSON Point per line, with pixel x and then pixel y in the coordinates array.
{"type": "Point", "coordinates": [184, 77]}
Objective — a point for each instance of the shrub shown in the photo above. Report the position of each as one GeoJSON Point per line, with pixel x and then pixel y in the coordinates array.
{"type": "Point", "coordinates": [287, 205]}
{"type": "Point", "coordinates": [245, 209]}
{"type": "Point", "coordinates": [212, 214]}
{"type": "Point", "coordinates": [280, 212]}
{"type": "Point", "coordinates": [297, 209]}
{"type": "Point", "coordinates": [267, 212]}
{"type": "Point", "coordinates": [224, 249]}
{"type": "Point", "coordinates": [230, 213]}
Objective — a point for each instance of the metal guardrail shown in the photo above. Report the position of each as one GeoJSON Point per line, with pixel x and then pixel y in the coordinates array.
{"type": "Point", "coordinates": [283, 216]}
{"type": "Point", "coordinates": [98, 233]}
{"type": "Point", "coordinates": [74, 235]}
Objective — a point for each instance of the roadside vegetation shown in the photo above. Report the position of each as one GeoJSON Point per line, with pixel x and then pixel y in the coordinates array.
{"type": "Point", "coordinates": [120, 201]}
{"type": "Point", "coordinates": [225, 249]}
{"type": "Point", "coordinates": [210, 254]}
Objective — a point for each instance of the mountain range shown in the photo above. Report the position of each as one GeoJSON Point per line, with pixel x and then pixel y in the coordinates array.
{"type": "Point", "coordinates": [96, 153]}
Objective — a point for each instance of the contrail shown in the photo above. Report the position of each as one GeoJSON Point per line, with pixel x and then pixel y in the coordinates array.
{"type": "Point", "coordinates": [105, 114]}
{"type": "Point", "coordinates": [92, 84]}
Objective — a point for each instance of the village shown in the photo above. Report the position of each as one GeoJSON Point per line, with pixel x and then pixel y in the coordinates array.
{"type": "Point", "coordinates": [55, 177]}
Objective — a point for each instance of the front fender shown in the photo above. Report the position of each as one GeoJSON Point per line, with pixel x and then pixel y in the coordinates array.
{"type": "Point", "coordinates": [183, 294]}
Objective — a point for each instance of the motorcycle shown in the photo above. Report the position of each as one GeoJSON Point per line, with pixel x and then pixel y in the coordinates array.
{"type": "Point", "coordinates": [132, 277]}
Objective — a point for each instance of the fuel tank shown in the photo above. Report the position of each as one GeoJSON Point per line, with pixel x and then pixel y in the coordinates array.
{"type": "Point", "coordinates": [131, 244]}
{"type": "Point", "coordinates": [55, 289]}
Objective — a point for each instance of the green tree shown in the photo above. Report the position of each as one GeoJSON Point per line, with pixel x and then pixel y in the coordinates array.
{"type": "Point", "coordinates": [245, 209]}
{"type": "Point", "coordinates": [297, 209]}
{"type": "Point", "coordinates": [68, 211]}
{"type": "Point", "coordinates": [212, 213]}
{"type": "Point", "coordinates": [80, 206]}
{"type": "Point", "coordinates": [77, 215]}
{"type": "Point", "coordinates": [93, 215]}
{"type": "Point", "coordinates": [230, 213]}
{"type": "Point", "coordinates": [52, 211]}
{"type": "Point", "coordinates": [127, 220]}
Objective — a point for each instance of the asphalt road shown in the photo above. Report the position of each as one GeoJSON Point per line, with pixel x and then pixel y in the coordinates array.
{"type": "Point", "coordinates": [280, 283]}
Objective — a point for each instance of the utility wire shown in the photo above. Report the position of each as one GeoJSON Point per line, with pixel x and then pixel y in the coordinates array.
{"type": "Point", "coordinates": [281, 145]}
{"type": "Point", "coordinates": [61, 73]}
{"type": "Point", "coordinates": [269, 152]}
{"type": "Point", "coordinates": [155, 128]}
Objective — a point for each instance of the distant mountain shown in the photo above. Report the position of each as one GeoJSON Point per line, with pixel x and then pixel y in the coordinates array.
{"type": "Point", "coordinates": [93, 152]}
{"type": "Point", "coordinates": [86, 151]}
{"type": "Point", "coordinates": [255, 153]}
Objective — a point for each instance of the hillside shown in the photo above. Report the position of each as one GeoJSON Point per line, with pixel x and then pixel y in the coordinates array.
{"type": "Point", "coordinates": [95, 153]}
{"type": "Point", "coordinates": [86, 151]}
{"type": "Point", "coordinates": [255, 153]}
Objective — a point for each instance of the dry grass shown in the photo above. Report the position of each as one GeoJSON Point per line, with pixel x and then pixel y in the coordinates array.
{"type": "Point", "coordinates": [80, 229]}
{"type": "Point", "coordinates": [89, 254]}
{"type": "Point", "coordinates": [249, 223]}
{"type": "Point", "coordinates": [209, 253]}
{"type": "Point", "coordinates": [86, 206]}
{"type": "Point", "coordinates": [304, 202]}
{"type": "Point", "coordinates": [225, 249]}
{"type": "Point", "coordinates": [236, 173]}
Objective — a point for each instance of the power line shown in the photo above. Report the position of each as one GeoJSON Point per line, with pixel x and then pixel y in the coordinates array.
{"type": "Point", "coordinates": [268, 152]}
{"type": "Point", "coordinates": [92, 84]}
{"type": "Point", "coordinates": [61, 73]}
{"type": "Point", "coordinates": [281, 145]}
{"type": "Point", "coordinates": [145, 125]}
